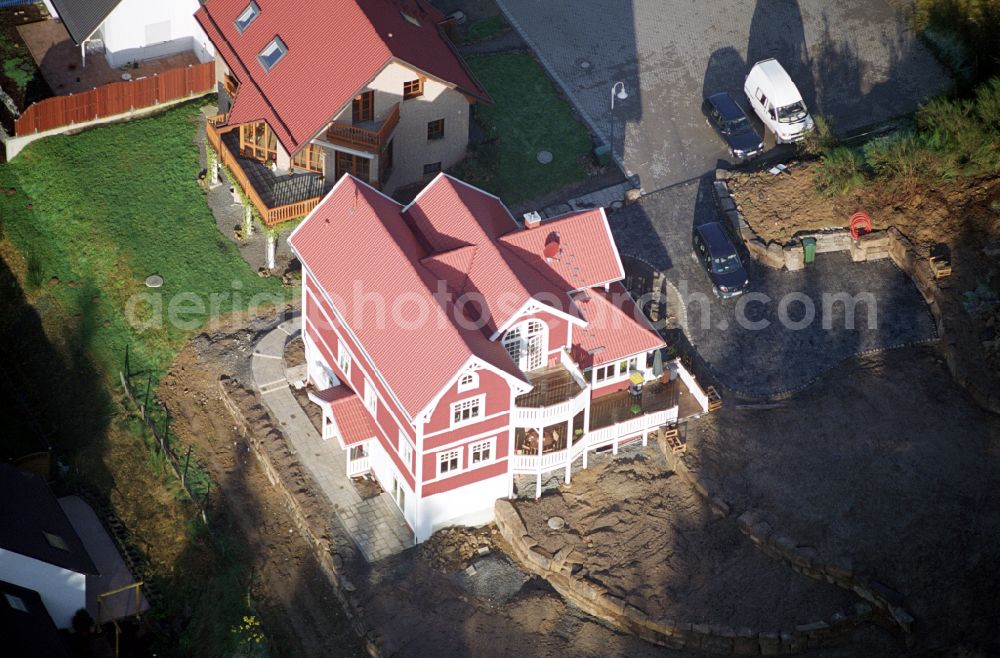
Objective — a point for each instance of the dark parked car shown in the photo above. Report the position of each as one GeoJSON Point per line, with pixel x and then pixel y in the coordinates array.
{"type": "Point", "coordinates": [717, 254]}
{"type": "Point", "coordinates": [731, 122]}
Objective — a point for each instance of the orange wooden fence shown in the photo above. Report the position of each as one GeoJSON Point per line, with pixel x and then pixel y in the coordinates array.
{"type": "Point", "coordinates": [116, 98]}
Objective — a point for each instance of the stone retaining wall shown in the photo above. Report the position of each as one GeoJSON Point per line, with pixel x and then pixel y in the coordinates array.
{"type": "Point", "coordinates": [838, 570]}
{"type": "Point", "coordinates": [287, 475]}
{"type": "Point", "coordinates": [953, 325]}
{"type": "Point", "coordinates": [560, 569]}
{"type": "Point", "coordinates": [805, 560]}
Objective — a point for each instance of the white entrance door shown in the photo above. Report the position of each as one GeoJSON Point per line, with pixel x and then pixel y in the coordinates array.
{"type": "Point", "coordinates": [527, 345]}
{"type": "Point", "coordinates": [398, 494]}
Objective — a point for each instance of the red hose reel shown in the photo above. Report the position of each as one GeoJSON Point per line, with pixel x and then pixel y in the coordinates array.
{"type": "Point", "coordinates": [861, 224]}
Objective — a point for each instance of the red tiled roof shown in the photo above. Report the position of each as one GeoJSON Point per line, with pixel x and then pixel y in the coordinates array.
{"type": "Point", "coordinates": [616, 328]}
{"type": "Point", "coordinates": [460, 235]}
{"type": "Point", "coordinates": [382, 261]}
{"type": "Point", "coordinates": [451, 217]}
{"type": "Point", "coordinates": [354, 422]}
{"type": "Point", "coordinates": [584, 251]}
{"type": "Point", "coordinates": [335, 48]}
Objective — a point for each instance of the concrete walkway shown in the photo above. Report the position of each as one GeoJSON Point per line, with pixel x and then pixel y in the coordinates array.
{"type": "Point", "coordinates": [376, 524]}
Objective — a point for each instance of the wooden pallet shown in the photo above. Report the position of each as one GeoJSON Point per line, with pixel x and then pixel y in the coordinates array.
{"type": "Point", "coordinates": [714, 399]}
{"type": "Point", "coordinates": [941, 267]}
{"type": "Point", "coordinates": [673, 439]}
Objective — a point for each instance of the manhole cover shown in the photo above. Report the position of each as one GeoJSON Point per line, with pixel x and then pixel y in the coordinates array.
{"type": "Point", "coordinates": [583, 63]}
{"type": "Point", "coordinates": [545, 157]}
{"type": "Point", "coordinates": [617, 205]}
{"type": "Point", "coordinates": [556, 522]}
{"type": "Point", "coordinates": [154, 281]}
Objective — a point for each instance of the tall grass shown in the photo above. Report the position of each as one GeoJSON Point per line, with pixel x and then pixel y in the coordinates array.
{"type": "Point", "coordinates": [949, 138]}
{"type": "Point", "coordinates": [964, 33]}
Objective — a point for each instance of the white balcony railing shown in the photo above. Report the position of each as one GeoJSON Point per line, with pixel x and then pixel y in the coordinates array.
{"type": "Point", "coordinates": [541, 416]}
{"type": "Point", "coordinates": [357, 467]}
{"type": "Point", "coordinates": [599, 438]}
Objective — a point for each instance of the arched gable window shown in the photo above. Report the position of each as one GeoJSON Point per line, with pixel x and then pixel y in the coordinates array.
{"type": "Point", "coordinates": [527, 344]}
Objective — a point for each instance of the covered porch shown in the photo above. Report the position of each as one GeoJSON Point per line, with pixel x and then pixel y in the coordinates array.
{"type": "Point", "coordinates": [346, 420]}
{"type": "Point", "coordinates": [249, 156]}
{"type": "Point", "coordinates": [609, 422]}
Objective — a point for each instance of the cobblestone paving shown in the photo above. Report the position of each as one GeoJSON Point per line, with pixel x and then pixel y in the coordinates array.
{"type": "Point", "coordinates": [855, 62]}
{"type": "Point", "coordinates": [375, 524]}
{"type": "Point", "coordinates": [745, 344]}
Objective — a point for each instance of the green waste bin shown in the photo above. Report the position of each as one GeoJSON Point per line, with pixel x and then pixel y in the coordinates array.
{"type": "Point", "coordinates": [809, 249]}
{"type": "Point", "coordinates": [603, 155]}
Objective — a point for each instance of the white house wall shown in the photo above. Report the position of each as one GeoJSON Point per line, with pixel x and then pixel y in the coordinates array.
{"type": "Point", "coordinates": [470, 505]}
{"type": "Point", "coordinates": [62, 591]}
{"type": "Point", "coordinates": [411, 148]}
{"type": "Point", "coordinates": [141, 29]}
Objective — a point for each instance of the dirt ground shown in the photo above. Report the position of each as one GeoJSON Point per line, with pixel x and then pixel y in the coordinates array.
{"type": "Point", "coordinates": [650, 539]}
{"type": "Point", "coordinates": [301, 614]}
{"type": "Point", "coordinates": [905, 487]}
{"type": "Point", "coordinates": [778, 207]}
{"type": "Point", "coordinates": [884, 460]}
{"type": "Point", "coordinates": [422, 602]}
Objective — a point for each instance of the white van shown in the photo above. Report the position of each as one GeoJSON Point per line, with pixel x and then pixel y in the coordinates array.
{"type": "Point", "coordinates": [777, 101]}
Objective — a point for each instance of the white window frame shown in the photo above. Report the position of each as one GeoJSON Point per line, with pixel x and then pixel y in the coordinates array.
{"type": "Point", "coordinates": [489, 445]}
{"type": "Point", "coordinates": [446, 456]}
{"type": "Point", "coordinates": [371, 399]}
{"type": "Point", "coordinates": [405, 450]}
{"type": "Point", "coordinates": [518, 339]}
{"type": "Point", "coordinates": [344, 359]}
{"type": "Point", "coordinates": [247, 17]}
{"type": "Point", "coordinates": [468, 382]}
{"type": "Point", "coordinates": [607, 376]}
{"type": "Point", "coordinates": [479, 400]}
{"type": "Point", "coordinates": [275, 44]}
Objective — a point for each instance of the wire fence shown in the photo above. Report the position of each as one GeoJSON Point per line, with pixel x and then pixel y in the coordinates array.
{"type": "Point", "coordinates": [194, 478]}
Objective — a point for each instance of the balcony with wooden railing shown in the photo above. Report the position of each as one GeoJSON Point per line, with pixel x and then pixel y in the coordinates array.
{"type": "Point", "coordinates": [278, 198]}
{"type": "Point", "coordinates": [370, 136]}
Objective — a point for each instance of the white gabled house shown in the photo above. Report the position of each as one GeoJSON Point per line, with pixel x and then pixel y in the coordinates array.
{"type": "Point", "coordinates": [133, 30]}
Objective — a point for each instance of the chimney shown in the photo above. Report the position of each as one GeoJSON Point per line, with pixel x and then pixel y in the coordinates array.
{"type": "Point", "coordinates": [532, 219]}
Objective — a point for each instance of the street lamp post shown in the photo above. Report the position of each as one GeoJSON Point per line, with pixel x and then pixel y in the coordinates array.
{"type": "Point", "coordinates": [617, 91]}
{"type": "Point", "coordinates": [620, 95]}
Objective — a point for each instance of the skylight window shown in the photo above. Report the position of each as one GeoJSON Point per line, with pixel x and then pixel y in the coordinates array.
{"type": "Point", "coordinates": [272, 53]}
{"type": "Point", "coordinates": [55, 541]}
{"type": "Point", "coordinates": [15, 602]}
{"type": "Point", "coordinates": [410, 19]}
{"type": "Point", "coordinates": [248, 16]}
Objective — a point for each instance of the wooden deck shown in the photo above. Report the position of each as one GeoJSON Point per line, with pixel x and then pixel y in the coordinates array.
{"type": "Point", "coordinates": [656, 396]}
{"type": "Point", "coordinates": [278, 198]}
{"type": "Point", "coordinates": [551, 386]}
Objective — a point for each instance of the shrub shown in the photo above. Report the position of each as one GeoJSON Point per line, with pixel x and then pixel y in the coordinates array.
{"type": "Point", "coordinates": [820, 140]}
{"type": "Point", "coordinates": [840, 171]}
{"type": "Point", "coordinates": [973, 23]}
{"type": "Point", "coordinates": [898, 159]}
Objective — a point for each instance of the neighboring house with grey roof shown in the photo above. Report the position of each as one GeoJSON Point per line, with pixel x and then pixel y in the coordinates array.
{"type": "Point", "coordinates": [133, 30]}
{"type": "Point", "coordinates": [39, 549]}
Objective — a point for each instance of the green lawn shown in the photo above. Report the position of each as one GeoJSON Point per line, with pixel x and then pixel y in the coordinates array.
{"type": "Point", "coordinates": [84, 219]}
{"type": "Point", "coordinates": [102, 210]}
{"type": "Point", "coordinates": [527, 116]}
{"type": "Point", "coordinates": [486, 28]}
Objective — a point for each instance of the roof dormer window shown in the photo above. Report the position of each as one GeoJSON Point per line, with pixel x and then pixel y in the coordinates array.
{"type": "Point", "coordinates": [410, 19]}
{"type": "Point", "coordinates": [272, 53]}
{"type": "Point", "coordinates": [248, 16]}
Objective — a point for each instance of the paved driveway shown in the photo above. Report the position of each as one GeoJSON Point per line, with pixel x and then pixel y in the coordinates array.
{"type": "Point", "coordinates": [855, 61]}
{"type": "Point", "coordinates": [763, 343]}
